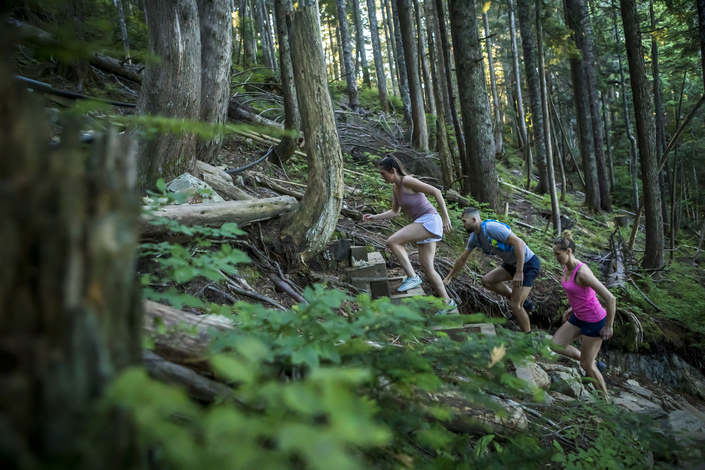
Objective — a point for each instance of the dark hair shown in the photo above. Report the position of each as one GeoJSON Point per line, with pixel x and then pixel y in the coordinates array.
{"type": "Point", "coordinates": [389, 162]}
{"type": "Point", "coordinates": [470, 211]}
{"type": "Point", "coordinates": [565, 241]}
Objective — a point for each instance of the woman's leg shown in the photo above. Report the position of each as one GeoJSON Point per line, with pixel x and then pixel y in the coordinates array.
{"type": "Point", "coordinates": [565, 335]}
{"type": "Point", "coordinates": [412, 233]}
{"type": "Point", "coordinates": [588, 353]}
{"type": "Point", "coordinates": [427, 252]}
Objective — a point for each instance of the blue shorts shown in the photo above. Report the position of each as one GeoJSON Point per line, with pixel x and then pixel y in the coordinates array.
{"type": "Point", "coordinates": [586, 328]}
{"type": "Point", "coordinates": [531, 270]}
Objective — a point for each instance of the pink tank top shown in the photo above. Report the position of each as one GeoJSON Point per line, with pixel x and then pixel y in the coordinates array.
{"type": "Point", "coordinates": [583, 299]}
{"type": "Point", "coordinates": [413, 205]}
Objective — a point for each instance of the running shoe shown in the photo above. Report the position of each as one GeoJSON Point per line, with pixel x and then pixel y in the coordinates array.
{"type": "Point", "coordinates": [601, 366]}
{"type": "Point", "coordinates": [529, 306]}
{"type": "Point", "coordinates": [449, 306]}
{"type": "Point", "coordinates": [409, 283]}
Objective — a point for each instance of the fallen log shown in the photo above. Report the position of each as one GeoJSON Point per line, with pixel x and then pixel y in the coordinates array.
{"type": "Point", "coordinates": [181, 337]}
{"type": "Point", "coordinates": [217, 213]}
{"type": "Point", "coordinates": [221, 182]}
{"type": "Point", "coordinates": [197, 386]}
{"type": "Point", "coordinates": [238, 113]}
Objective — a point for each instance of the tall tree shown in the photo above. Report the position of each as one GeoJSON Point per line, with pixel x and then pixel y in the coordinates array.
{"type": "Point", "coordinates": [391, 48]}
{"type": "Point", "coordinates": [643, 112]}
{"type": "Point", "coordinates": [312, 224]}
{"type": "Point", "coordinates": [292, 120]}
{"type": "Point", "coordinates": [401, 61]}
{"type": "Point", "coordinates": [264, 38]}
{"type": "Point", "coordinates": [360, 45]}
{"type": "Point", "coordinates": [215, 23]}
{"type": "Point", "coordinates": [123, 30]}
{"type": "Point", "coordinates": [516, 74]}
{"type": "Point", "coordinates": [419, 133]}
{"type": "Point", "coordinates": [528, 42]}
{"type": "Point", "coordinates": [583, 113]}
{"type": "Point", "coordinates": [353, 98]}
{"type": "Point", "coordinates": [498, 144]}
{"type": "Point", "coordinates": [171, 88]}
{"type": "Point", "coordinates": [421, 44]}
{"type": "Point", "coordinates": [658, 107]}
{"type": "Point", "coordinates": [270, 36]}
{"type": "Point", "coordinates": [480, 167]}
{"type": "Point", "coordinates": [444, 55]}
{"type": "Point", "coordinates": [377, 53]}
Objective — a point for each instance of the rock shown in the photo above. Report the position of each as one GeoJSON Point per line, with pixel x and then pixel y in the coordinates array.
{"type": "Point", "coordinates": [197, 190]}
{"type": "Point", "coordinates": [568, 384]}
{"type": "Point", "coordinates": [533, 374]}
{"type": "Point", "coordinates": [639, 405]}
{"type": "Point", "coordinates": [470, 418]}
{"type": "Point", "coordinates": [685, 421]}
{"type": "Point", "coordinates": [554, 367]}
{"type": "Point", "coordinates": [559, 397]}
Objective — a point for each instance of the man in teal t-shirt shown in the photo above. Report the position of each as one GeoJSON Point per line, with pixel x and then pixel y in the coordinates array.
{"type": "Point", "coordinates": [519, 264]}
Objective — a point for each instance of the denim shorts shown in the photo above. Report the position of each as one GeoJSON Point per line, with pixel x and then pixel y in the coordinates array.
{"type": "Point", "coordinates": [531, 270]}
{"type": "Point", "coordinates": [587, 328]}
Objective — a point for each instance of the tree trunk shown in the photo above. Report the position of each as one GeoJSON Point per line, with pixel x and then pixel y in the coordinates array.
{"type": "Point", "coordinates": [314, 222]}
{"type": "Point", "coordinates": [377, 53]}
{"type": "Point", "coordinates": [444, 152]}
{"type": "Point", "coordinates": [389, 41]}
{"type": "Point", "coordinates": [523, 133]}
{"type": "Point", "coordinates": [608, 126]}
{"type": "Point", "coordinates": [583, 110]}
{"type": "Point", "coordinates": [498, 142]}
{"type": "Point", "coordinates": [428, 88]}
{"type": "Point", "coordinates": [528, 43]}
{"type": "Point", "coordinates": [643, 111]}
{"type": "Point", "coordinates": [333, 44]}
{"type": "Point", "coordinates": [216, 60]}
{"type": "Point", "coordinates": [444, 55]}
{"type": "Point", "coordinates": [419, 133]}
{"type": "Point", "coordinates": [215, 214]}
{"type": "Point", "coordinates": [69, 296]}
{"type": "Point", "coordinates": [360, 45]}
{"type": "Point", "coordinates": [401, 63]}
{"type": "Point", "coordinates": [555, 211]}
{"type": "Point", "coordinates": [480, 168]}
{"type": "Point", "coordinates": [292, 120]}
{"type": "Point", "coordinates": [353, 98]}
{"type": "Point", "coordinates": [270, 36]}
{"type": "Point", "coordinates": [170, 89]}
{"type": "Point", "coordinates": [439, 79]}
{"type": "Point", "coordinates": [659, 113]}
{"type": "Point", "coordinates": [262, 26]}
{"type": "Point", "coordinates": [123, 31]}
{"type": "Point", "coordinates": [587, 48]}
{"type": "Point", "coordinates": [701, 30]}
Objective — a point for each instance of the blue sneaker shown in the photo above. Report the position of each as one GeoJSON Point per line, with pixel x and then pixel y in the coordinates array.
{"type": "Point", "coordinates": [601, 366]}
{"type": "Point", "coordinates": [409, 283]}
{"type": "Point", "coordinates": [449, 306]}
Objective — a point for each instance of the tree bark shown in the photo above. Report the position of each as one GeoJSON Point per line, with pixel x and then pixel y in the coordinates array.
{"type": "Point", "coordinates": [215, 214]}
{"type": "Point", "coordinates": [262, 26]}
{"type": "Point", "coordinates": [643, 111]}
{"type": "Point", "coordinates": [216, 60]}
{"type": "Point", "coordinates": [353, 98]}
{"type": "Point", "coordinates": [608, 127]}
{"type": "Point", "coordinates": [69, 296]}
{"type": "Point", "coordinates": [333, 44]}
{"type": "Point", "coordinates": [701, 30]}
{"type": "Point", "coordinates": [426, 74]}
{"type": "Point", "coordinates": [123, 31]}
{"type": "Point", "coordinates": [270, 36]}
{"type": "Point", "coordinates": [170, 89]}
{"type": "Point", "coordinates": [583, 111]}
{"type": "Point", "coordinates": [419, 133]}
{"type": "Point", "coordinates": [659, 113]}
{"type": "Point", "coordinates": [555, 210]}
{"type": "Point", "coordinates": [498, 141]}
{"type": "Point", "coordinates": [528, 43]}
{"type": "Point", "coordinates": [377, 53]}
{"type": "Point", "coordinates": [444, 55]}
{"type": "Point", "coordinates": [292, 120]}
{"type": "Point", "coordinates": [480, 168]}
{"type": "Point", "coordinates": [313, 223]}
{"type": "Point", "coordinates": [401, 62]}
{"type": "Point", "coordinates": [389, 41]}
{"type": "Point", "coordinates": [360, 45]}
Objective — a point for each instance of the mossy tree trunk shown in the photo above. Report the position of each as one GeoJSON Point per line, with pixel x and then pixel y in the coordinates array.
{"type": "Point", "coordinates": [312, 225]}
{"type": "Point", "coordinates": [377, 53]}
{"type": "Point", "coordinates": [70, 309]}
{"type": "Point", "coordinates": [353, 98]}
{"type": "Point", "coordinates": [170, 88]}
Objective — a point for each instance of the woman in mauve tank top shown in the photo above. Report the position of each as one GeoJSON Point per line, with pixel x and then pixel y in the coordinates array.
{"type": "Point", "coordinates": [586, 318]}
{"type": "Point", "coordinates": [426, 229]}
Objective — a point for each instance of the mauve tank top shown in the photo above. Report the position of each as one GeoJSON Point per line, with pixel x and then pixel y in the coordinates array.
{"type": "Point", "coordinates": [583, 299]}
{"type": "Point", "coordinates": [413, 205]}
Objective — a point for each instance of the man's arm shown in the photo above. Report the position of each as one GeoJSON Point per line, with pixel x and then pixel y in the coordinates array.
{"type": "Point", "coordinates": [518, 245]}
{"type": "Point", "coordinates": [458, 265]}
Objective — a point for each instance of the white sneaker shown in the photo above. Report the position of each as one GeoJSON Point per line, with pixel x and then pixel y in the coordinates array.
{"type": "Point", "coordinates": [409, 283]}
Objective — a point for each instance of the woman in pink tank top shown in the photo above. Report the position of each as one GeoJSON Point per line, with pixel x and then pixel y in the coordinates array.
{"type": "Point", "coordinates": [586, 318]}
{"type": "Point", "coordinates": [426, 229]}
